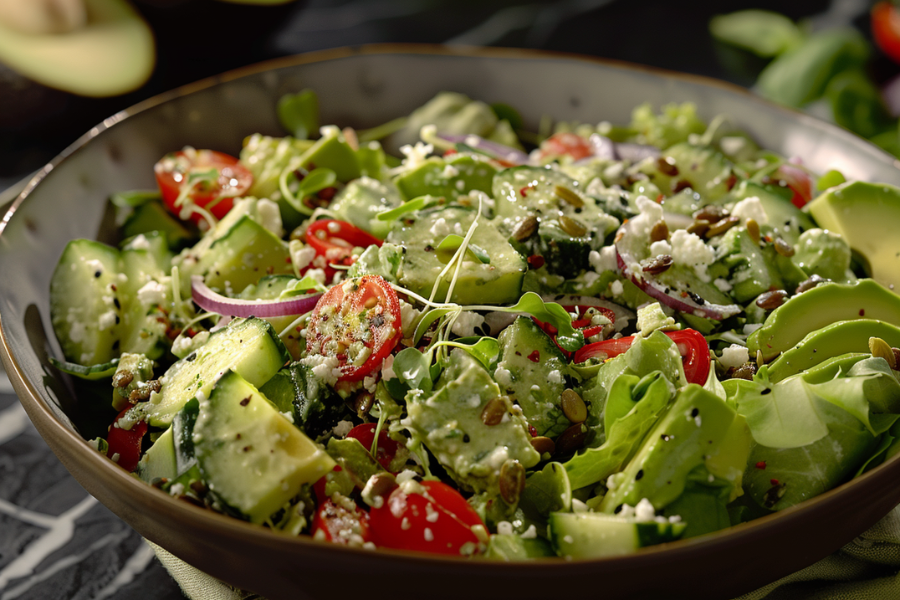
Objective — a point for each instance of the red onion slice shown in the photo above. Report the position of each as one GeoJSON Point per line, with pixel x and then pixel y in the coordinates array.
{"type": "Point", "coordinates": [222, 305]}
{"type": "Point", "coordinates": [498, 151]}
{"type": "Point", "coordinates": [689, 303]}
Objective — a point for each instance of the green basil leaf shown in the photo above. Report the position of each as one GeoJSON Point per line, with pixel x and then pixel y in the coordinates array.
{"type": "Point", "coordinates": [550, 312]}
{"type": "Point", "coordinates": [299, 113]}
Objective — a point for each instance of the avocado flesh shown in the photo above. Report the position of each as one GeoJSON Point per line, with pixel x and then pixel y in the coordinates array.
{"type": "Point", "coordinates": [113, 54]}
{"type": "Point", "coordinates": [818, 307]}
{"type": "Point", "coordinates": [866, 214]}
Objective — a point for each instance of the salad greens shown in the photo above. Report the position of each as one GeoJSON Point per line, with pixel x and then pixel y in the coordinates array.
{"type": "Point", "coordinates": [629, 335]}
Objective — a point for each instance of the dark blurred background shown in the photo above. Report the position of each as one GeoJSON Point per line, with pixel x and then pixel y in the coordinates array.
{"type": "Point", "coordinates": [200, 38]}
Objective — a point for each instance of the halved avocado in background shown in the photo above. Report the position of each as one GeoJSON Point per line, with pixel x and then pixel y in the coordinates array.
{"type": "Point", "coordinates": [866, 214]}
{"type": "Point", "coordinates": [111, 54]}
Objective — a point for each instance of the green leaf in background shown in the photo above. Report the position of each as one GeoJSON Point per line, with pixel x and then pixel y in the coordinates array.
{"type": "Point", "coordinates": [413, 369]}
{"type": "Point", "coordinates": [802, 74]}
{"type": "Point", "coordinates": [766, 34]}
{"type": "Point", "coordinates": [406, 207]}
{"type": "Point", "coordinates": [299, 113]}
{"type": "Point", "coordinates": [857, 104]}
{"type": "Point", "coordinates": [485, 350]}
{"type": "Point", "coordinates": [427, 319]}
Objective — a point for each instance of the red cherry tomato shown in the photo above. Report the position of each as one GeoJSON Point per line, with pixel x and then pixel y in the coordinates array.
{"type": "Point", "coordinates": [126, 442]}
{"type": "Point", "coordinates": [886, 29]}
{"type": "Point", "coordinates": [225, 179]}
{"type": "Point", "coordinates": [799, 181]}
{"type": "Point", "coordinates": [691, 345]}
{"type": "Point", "coordinates": [566, 144]}
{"type": "Point", "coordinates": [439, 520]}
{"type": "Point", "coordinates": [387, 448]}
{"type": "Point", "coordinates": [334, 241]}
{"type": "Point", "coordinates": [358, 322]}
{"type": "Point", "coordinates": [341, 525]}
{"type": "Point", "coordinates": [582, 323]}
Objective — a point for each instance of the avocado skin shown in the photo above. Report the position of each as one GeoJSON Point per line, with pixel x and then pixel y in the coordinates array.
{"type": "Point", "coordinates": [866, 215]}
{"type": "Point", "coordinates": [788, 324]}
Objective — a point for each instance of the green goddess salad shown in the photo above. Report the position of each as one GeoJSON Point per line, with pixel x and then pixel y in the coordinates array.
{"type": "Point", "coordinates": [494, 343]}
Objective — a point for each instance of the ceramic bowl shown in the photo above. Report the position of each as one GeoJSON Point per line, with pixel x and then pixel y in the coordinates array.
{"type": "Point", "coordinates": [363, 87]}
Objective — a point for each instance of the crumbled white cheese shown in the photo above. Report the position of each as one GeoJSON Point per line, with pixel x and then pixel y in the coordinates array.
{"type": "Point", "coordinates": [439, 229]}
{"type": "Point", "coordinates": [152, 293]}
{"type": "Point", "coordinates": [504, 528]}
{"type": "Point", "coordinates": [651, 213]}
{"type": "Point", "coordinates": [751, 327]}
{"type": "Point", "coordinates": [660, 247]}
{"type": "Point", "coordinates": [449, 172]}
{"type": "Point", "coordinates": [324, 368]}
{"type": "Point", "coordinates": [107, 320]}
{"type": "Point", "coordinates": [604, 260]}
{"type": "Point", "coordinates": [689, 250]}
{"type": "Point", "coordinates": [466, 322]}
{"type": "Point", "coordinates": [503, 376]}
{"type": "Point", "coordinates": [750, 208]}
{"type": "Point", "coordinates": [342, 428]}
{"type": "Point", "coordinates": [409, 317]}
{"type": "Point", "coordinates": [140, 242]}
{"type": "Point", "coordinates": [734, 356]}
{"type": "Point", "coordinates": [301, 254]}
{"type": "Point", "coordinates": [387, 368]}
{"type": "Point", "coordinates": [616, 288]}
{"type": "Point", "coordinates": [270, 216]}
{"type": "Point", "coordinates": [317, 274]}
{"type": "Point", "coordinates": [644, 511]}
{"type": "Point", "coordinates": [723, 285]}
{"type": "Point", "coordinates": [415, 155]}
{"type": "Point", "coordinates": [530, 533]}
{"type": "Point", "coordinates": [555, 376]}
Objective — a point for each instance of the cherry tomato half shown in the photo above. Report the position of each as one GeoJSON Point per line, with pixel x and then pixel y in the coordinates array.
{"type": "Point", "coordinates": [691, 345]}
{"type": "Point", "coordinates": [341, 525]}
{"type": "Point", "coordinates": [214, 180]}
{"type": "Point", "coordinates": [886, 29]}
{"type": "Point", "coordinates": [358, 322]}
{"type": "Point", "coordinates": [582, 323]}
{"type": "Point", "coordinates": [335, 240]}
{"type": "Point", "coordinates": [439, 520]}
{"type": "Point", "coordinates": [566, 144]}
{"type": "Point", "coordinates": [126, 442]}
{"type": "Point", "coordinates": [387, 448]}
{"type": "Point", "coordinates": [799, 181]}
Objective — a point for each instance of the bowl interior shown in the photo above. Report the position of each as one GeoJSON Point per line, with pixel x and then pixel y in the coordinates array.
{"type": "Point", "coordinates": [362, 88]}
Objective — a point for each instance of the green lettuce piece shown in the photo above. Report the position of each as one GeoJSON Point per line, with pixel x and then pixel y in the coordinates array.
{"type": "Point", "coordinates": [672, 125]}
{"type": "Point", "coordinates": [702, 505]}
{"type": "Point", "coordinates": [632, 409]}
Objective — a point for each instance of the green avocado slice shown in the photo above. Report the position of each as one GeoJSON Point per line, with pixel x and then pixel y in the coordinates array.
{"type": "Point", "coordinates": [112, 54]}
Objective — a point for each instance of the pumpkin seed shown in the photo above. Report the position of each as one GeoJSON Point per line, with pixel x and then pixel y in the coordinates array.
{"type": "Point", "coordinates": [881, 349]}
{"type": "Point", "coordinates": [526, 228]}
{"type": "Point", "coordinates": [573, 406]}
{"type": "Point", "coordinates": [122, 378]}
{"type": "Point", "coordinates": [493, 411]}
{"type": "Point", "coordinates": [657, 264]}
{"type": "Point", "coordinates": [753, 230]}
{"type": "Point", "coordinates": [745, 371]}
{"type": "Point", "coordinates": [698, 228]}
{"type": "Point", "coordinates": [809, 284]}
{"type": "Point", "coordinates": [543, 445]}
{"type": "Point", "coordinates": [512, 481]}
{"type": "Point", "coordinates": [568, 196]}
{"type": "Point", "coordinates": [771, 300]}
{"type": "Point", "coordinates": [666, 166]}
{"type": "Point", "coordinates": [721, 226]}
{"type": "Point", "coordinates": [711, 213]}
{"type": "Point", "coordinates": [572, 226]}
{"type": "Point", "coordinates": [571, 439]}
{"type": "Point", "coordinates": [783, 248]}
{"type": "Point", "coordinates": [659, 232]}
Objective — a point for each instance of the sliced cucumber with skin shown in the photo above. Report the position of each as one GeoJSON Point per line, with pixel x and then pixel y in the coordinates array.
{"type": "Point", "coordinates": [159, 461]}
{"type": "Point", "coordinates": [597, 535]}
{"type": "Point", "coordinates": [251, 457]}
{"type": "Point", "coordinates": [249, 347]}
{"type": "Point", "coordinates": [182, 436]}
{"type": "Point", "coordinates": [84, 303]}
{"type": "Point", "coordinates": [144, 316]}
{"type": "Point", "coordinates": [89, 372]}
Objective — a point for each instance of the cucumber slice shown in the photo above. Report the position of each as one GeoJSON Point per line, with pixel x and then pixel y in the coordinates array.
{"type": "Point", "coordinates": [252, 458]}
{"type": "Point", "coordinates": [89, 372]}
{"type": "Point", "coordinates": [249, 347]}
{"type": "Point", "coordinates": [144, 309]}
{"type": "Point", "coordinates": [595, 535]}
{"type": "Point", "coordinates": [159, 461]}
{"type": "Point", "coordinates": [84, 303]}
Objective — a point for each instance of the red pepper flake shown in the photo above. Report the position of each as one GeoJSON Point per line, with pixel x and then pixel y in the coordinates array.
{"type": "Point", "coordinates": [287, 259]}
{"type": "Point", "coordinates": [761, 464]}
{"type": "Point", "coordinates": [534, 356]}
{"type": "Point", "coordinates": [327, 193]}
{"type": "Point", "coordinates": [660, 198]}
{"type": "Point", "coordinates": [535, 261]}
{"type": "Point", "coordinates": [773, 481]}
{"type": "Point", "coordinates": [450, 151]}
{"type": "Point", "coordinates": [532, 430]}
{"type": "Point", "coordinates": [524, 190]}
{"type": "Point", "coordinates": [862, 312]}
{"type": "Point", "coordinates": [337, 468]}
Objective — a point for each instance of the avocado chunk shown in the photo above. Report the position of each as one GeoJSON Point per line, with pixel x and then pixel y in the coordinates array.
{"type": "Point", "coordinates": [449, 177]}
{"type": "Point", "coordinates": [111, 54]}
{"type": "Point", "coordinates": [830, 341]}
{"type": "Point", "coordinates": [865, 214]}
{"type": "Point", "coordinates": [251, 456]}
{"type": "Point", "coordinates": [824, 253]}
{"type": "Point", "coordinates": [532, 371]}
{"type": "Point", "coordinates": [497, 282]}
{"type": "Point", "coordinates": [451, 426]}
{"type": "Point", "coordinates": [818, 307]}
{"type": "Point", "coordinates": [360, 202]}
